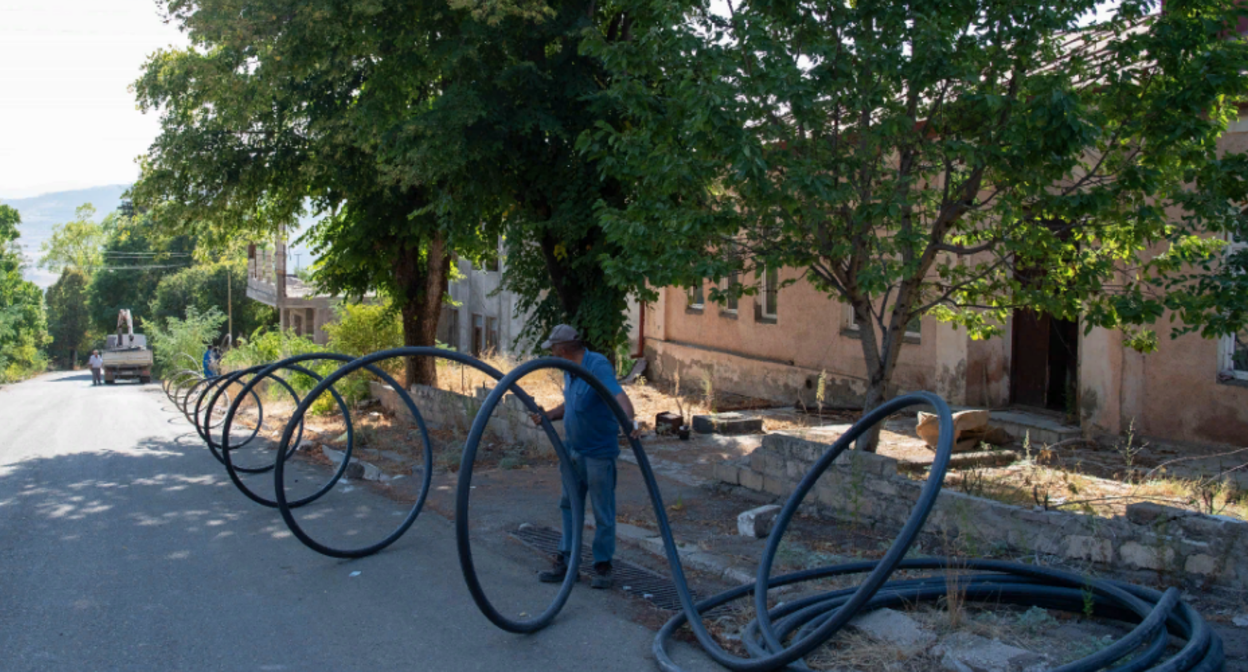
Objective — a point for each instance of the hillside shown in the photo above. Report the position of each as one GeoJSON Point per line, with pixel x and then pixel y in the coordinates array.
{"type": "Point", "coordinates": [41, 213]}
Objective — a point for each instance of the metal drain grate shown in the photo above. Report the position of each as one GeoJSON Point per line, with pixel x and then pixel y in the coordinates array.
{"type": "Point", "coordinates": [629, 577]}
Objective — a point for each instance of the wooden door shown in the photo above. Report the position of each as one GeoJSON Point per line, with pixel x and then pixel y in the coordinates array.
{"type": "Point", "coordinates": [1029, 362]}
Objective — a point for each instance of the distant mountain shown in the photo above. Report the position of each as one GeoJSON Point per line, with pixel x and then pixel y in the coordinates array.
{"type": "Point", "coordinates": [41, 213]}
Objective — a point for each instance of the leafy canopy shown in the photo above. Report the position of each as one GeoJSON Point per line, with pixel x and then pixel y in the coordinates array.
{"type": "Point", "coordinates": [926, 158]}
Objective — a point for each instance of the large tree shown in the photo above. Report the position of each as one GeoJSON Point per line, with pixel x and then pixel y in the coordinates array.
{"type": "Point", "coordinates": [220, 285]}
{"type": "Point", "coordinates": [139, 255]}
{"type": "Point", "coordinates": [517, 92]}
{"type": "Point", "coordinates": [68, 316]}
{"type": "Point", "coordinates": [925, 158]}
{"type": "Point", "coordinates": [278, 105]}
{"type": "Point", "coordinates": [23, 323]}
{"type": "Point", "coordinates": [74, 244]}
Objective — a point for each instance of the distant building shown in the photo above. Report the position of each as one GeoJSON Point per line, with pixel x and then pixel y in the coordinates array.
{"type": "Point", "coordinates": [484, 319]}
{"type": "Point", "coordinates": [298, 306]}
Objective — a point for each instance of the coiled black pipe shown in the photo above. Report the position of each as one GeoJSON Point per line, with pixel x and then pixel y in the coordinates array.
{"type": "Point", "coordinates": [811, 622]}
{"type": "Point", "coordinates": [808, 623]}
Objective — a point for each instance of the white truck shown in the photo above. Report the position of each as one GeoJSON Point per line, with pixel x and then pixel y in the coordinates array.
{"type": "Point", "coordinates": [125, 354]}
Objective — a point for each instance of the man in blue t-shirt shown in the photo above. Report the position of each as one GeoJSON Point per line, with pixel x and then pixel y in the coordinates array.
{"type": "Point", "coordinates": [593, 443]}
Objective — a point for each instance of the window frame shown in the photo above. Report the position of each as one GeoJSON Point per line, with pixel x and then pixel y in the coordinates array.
{"type": "Point", "coordinates": [732, 302]}
{"type": "Point", "coordinates": [770, 293]}
{"type": "Point", "coordinates": [1226, 344]}
{"type": "Point", "coordinates": [696, 298]}
{"type": "Point", "coordinates": [852, 326]}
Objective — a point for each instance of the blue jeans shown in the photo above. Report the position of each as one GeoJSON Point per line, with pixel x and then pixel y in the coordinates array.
{"type": "Point", "coordinates": [598, 477]}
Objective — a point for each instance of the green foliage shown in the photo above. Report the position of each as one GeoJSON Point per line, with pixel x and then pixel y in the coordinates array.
{"type": "Point", "coordinates": [271, 110]}
{"type": "Point", "coordinates": [176, 342]}
{"type": "Point", "coordinates": [363, 328]}
{"type": "Point", "coordinates": [917, 162]}
{"type": "Point", "coordinates": [23, 323]}
{"type": "Point", "coordinates": [74, 244]}
{"type": "Point", "coordinates": [140, 256]}
{"type": "Point", "coordinates": [266, 347]}
{"type": "Point", "coordinates": [68, 318]}
{"type": "Point", "coordinates": [204, 287]}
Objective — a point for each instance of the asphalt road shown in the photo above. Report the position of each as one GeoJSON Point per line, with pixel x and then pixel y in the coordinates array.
{"type": "Point", "coordinates": [123, 546]}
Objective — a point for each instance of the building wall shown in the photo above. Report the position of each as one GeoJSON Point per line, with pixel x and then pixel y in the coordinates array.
{"type": "Point", "coordinates": [810, 335]}
{"type": "Point", "coordinates": [476, 294]}
{"type": "Point", "coordinates": [1172, 393]}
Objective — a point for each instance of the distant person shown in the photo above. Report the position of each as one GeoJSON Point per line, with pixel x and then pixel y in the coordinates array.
{"type": "Point", "coordinates": [96, 362]}
{"type": "Point", "coordinates": [210, 362]}
{"type": "Point", "coordinates": [593, 444]}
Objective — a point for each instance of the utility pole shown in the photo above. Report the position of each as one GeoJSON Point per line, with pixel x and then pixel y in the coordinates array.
{"type": "Point", "coordinates": [229, 302]}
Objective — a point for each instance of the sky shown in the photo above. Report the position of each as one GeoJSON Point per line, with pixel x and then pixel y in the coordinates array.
{"type": "Point", "coordinates": [67, 118]}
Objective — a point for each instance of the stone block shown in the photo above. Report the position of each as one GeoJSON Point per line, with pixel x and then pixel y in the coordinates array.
{"type": "Point", "coordinates": [1080, 547]}
{"type": "Point", "coordinates": [964, 652]}
{"type": "Point", "coordinates": [775, 486]}
{"type": "Point", "coordinates": [928, 427]}
{"type": "Point", "coordinates": [751, 479]}
{"type": "Point", "coordinates": [1149, 513]}
{"type": "Point", "coordinates": [727, 473]}
{"type": "Point", "coordinates": [882, 486]}
{"type": "Point", "coordinates": [1139, 556]}
{"type": "Point", "coordinates": [1212, 528]}
{"type": "Point", "coordinates": [727, 423]}
{"type": "Point", "coordinates": [895, 629]}
{"type": "Point", "coordinates": [756, 523]}
{"type": "Point", "coordinates": [1205, 565]}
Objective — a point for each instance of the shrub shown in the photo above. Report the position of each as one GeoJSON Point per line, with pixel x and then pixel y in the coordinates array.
{"type": "Point", "coordinates": [181, 343]}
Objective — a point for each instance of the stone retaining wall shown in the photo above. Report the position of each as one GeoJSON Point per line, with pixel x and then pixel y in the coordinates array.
{"type": "Point", "coordinates": [450, 410]}
{"type": "Point", "coordinates": [1150, 542]}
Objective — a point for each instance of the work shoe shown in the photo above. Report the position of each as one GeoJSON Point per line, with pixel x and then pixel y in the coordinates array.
{"type": "Point", "coordinates": [602, 576]}
{"type": "Point", "coordinates": [558, 570]}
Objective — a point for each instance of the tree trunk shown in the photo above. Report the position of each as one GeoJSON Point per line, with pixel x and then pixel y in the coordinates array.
{"type": "Point", "coordinates": [423, 283]}
{"type": "Point", "coordinates": [881, 359]}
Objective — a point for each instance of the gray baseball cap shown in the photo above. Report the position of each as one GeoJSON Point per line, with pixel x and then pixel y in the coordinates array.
{"type": "Point", "coordinates": [561, 334]}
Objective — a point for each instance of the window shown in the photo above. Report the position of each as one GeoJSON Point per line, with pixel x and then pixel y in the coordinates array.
{"type": "Point", "coordinates": [491, 334]}
{"type": "Point", "coordinates": [478, 334]}
{"type": "Point", "coordinates": [733, 300]}
{"type": "Point", "coordinates": [1233, 349]}
{"type": "Point", "coordinates": [452, 328]}
{"type": "Point", "coordinates": [771, 292]}
{"type": "Point", "coordinates": [696, 300]}
{"type": "Point", "coordinates": [914, 329]}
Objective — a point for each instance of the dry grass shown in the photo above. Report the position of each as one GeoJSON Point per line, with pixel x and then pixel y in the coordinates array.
{"type": "Point", "coordinates": [1045, 480]}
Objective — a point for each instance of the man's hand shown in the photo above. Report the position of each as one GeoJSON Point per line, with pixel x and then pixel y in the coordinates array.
{"type": "Point", "coordinates": [537, 417]}
{"type": "Point", "coordinates": [636, 433]}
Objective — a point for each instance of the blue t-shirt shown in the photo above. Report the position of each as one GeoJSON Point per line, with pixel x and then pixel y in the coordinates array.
{"type": "Point", "coordinates": [591, 427]}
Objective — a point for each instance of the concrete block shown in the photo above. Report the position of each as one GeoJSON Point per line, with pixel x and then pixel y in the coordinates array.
{"type": "Point", "coordinates": [1202, 564]}
{"type": "Point", "coordinates": [775, 486]}
{"type": "Point", "coordinates": [756, 523]}
{"type": "Point", "coordinates": [751, 479]}
{"type": "Point", "coordinates": [1149, 513]}
{"type": "Point", "coordinates": [895, 629]}
{"type": "Point", "coordinates": [964, 652]}
{"type": "Point", "coordinates": [1139, 556]}
{"type": "Point", "coordinates": [727, 423]}
{"type": "Point", "coordinates": [1089, 548]}
{"type": "Point", "coordinates": [727, 473]}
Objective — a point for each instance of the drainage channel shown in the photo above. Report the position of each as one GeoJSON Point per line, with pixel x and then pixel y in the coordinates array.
{"type": "Point", "coordinates": [629, 577]}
